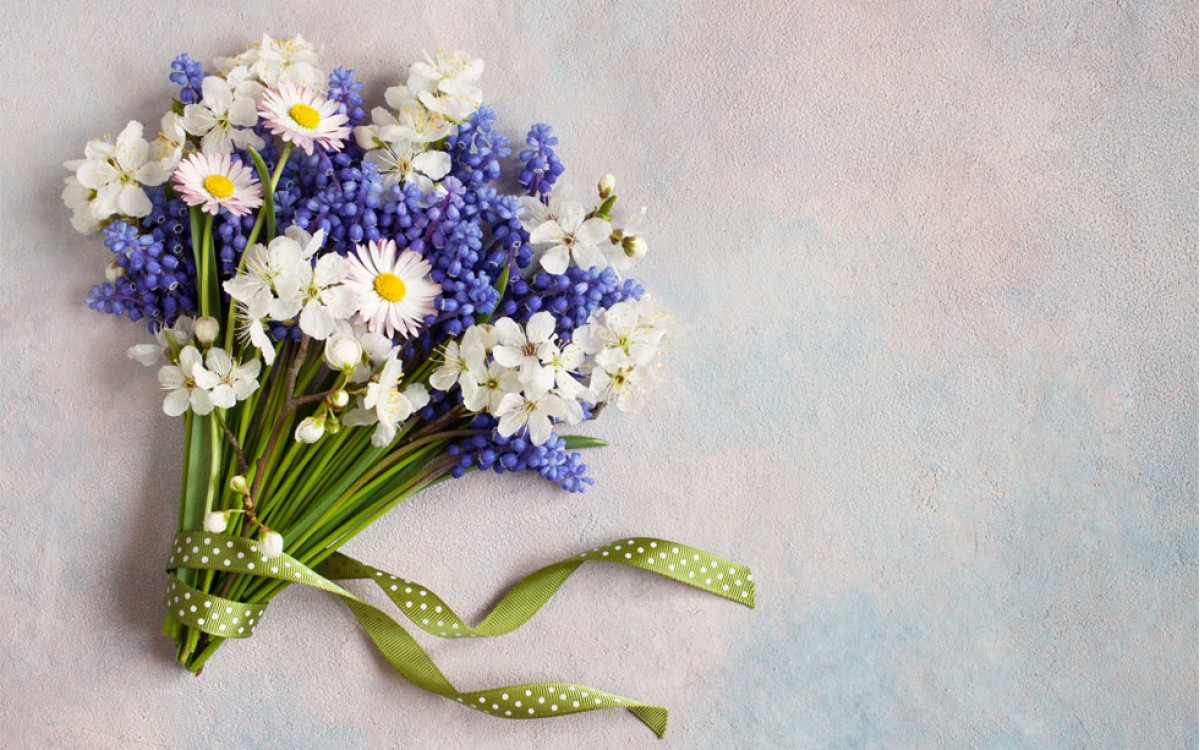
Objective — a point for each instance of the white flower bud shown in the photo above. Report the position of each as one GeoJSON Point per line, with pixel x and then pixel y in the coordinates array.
{"type": "Point", "coordinates": [206, 330]}
{"type": "Point", "coordinates": [215, 523]}
{"type": "Point", "coordinates": [635, 247]}
{"type": "Point", "coordinates": [272, 544]}
{"type": "Point", "coordinates": [607, 186]}
{"type": "Point", "coordinates": [338, 399]}
{"type": "Point", "coordinates": [238, 484]}
{"type": "Point", "coordinates": [310, 430]}
{"type": "Point", "coordinates": [343, 352]}
{"type": "Point", "coordinates": [113, 272]}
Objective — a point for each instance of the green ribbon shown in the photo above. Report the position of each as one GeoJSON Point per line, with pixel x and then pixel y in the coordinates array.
{"type": "Point", "coordinates": [229, 619]}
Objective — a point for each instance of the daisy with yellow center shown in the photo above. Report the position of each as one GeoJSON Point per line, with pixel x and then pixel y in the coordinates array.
{"type": "Point", "coordinates": [392, 290]}
{"type": "Point", "coordinates": [216, 181]}
{"type": "Point", "coordinates": [304, 117]}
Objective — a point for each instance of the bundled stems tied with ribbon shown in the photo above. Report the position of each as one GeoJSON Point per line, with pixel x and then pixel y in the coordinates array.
{"type": "Point", "coordinates": [221, 618]}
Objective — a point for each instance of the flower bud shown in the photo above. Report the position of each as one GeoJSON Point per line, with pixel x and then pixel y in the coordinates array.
{"type": "Point", "coordinates": [343, 352]}
{"type": "Point", "coordinates": [635, 247]}
{"type": "Point", "coordinates": [238, 484]}
{"type": "Point", "coordinates": [339, 399]}
{"type": "Point", "coordinates": [113, 272]}
{"type": "Point", "coordinates": [206, 329]}
{"type": "Point", "coordinates": [310, 430]}
{"type": "Point", "coordinates": [272, 544]}
{"type": "Point", "coordinates": [215, 523]}
{"type": "Point", "coordinates": [607, 186]}
{"type": "Point", "coordinates": [332, 425]}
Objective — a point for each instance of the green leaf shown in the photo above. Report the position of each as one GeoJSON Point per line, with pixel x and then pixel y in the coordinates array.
{"type": "Point", "coordinates": [264, 176]}
{"type": "Point", "coordinates": [575, 442]}
{"type": "Point", "coordinates": [177, 107]}
{"type": "Point", "coordinates": [500, 286]}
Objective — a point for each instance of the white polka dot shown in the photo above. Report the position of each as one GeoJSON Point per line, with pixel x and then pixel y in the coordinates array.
{"type": "Point", "coordinates": [725, 587]}
{"type": "Point", "coordinates": [425, 621]}
{"type": "Point", "coordinates": [745, 594]}
{"type": "Point", "coordinates": [504, 697]}
{"type": "Point", "coordinates": [708, 581]}
{"type": "Point", "coordinates": [481, 699]}
{"type": "Point", "coordinates": [675, 550]}
{"type": "Point", "coordinates": [553, 706]}
{"type": "Point", "coordinates": [241, 555]}
{"type": "Point", "coordinates": [495, 706]}
{"type": "Point", "coordinates": [204, 559]}
{"type": "Point", "coordinates": [424, 606]}
{"type": "Point", "coordinates": [207, 605]}
{"type": "Point", "coordinates": [528, 693]}
{"type": "Point", "coordinates": [229, 545]}
{"type": "Point", "coordinates": [200, 621]}
{"type": "Point", "coordinates": [617, 547]}
{"type": "Point", "coordinates": [423, 593]}
{"type": "Point", "coordinates": [602, 554]}
{"type": "Point", "coordinates": [228, 563]}
{"type": "Point", "coordinates": [531, 710]}
{"type": "Point", "coordinates": [597, 701]}
{"type": "Point", "coordinates": [508, 713]}
{"type": "Point", "coordinates": [575, 704]}
{"type": "Point", "coordinates": [641, 550]}
{"type": "Point", "coordinates": [395, 587]}
{"type": "Point", "coordinates": [653, 544]}
{"type": "Point", "coordinates": [541, 700]}
{"type": "Point", "coordinates": [408, 589]}
{"type": "Point", "coordinates": [250, 566]}
{"type": "Point", "coordinates": [517, 704]}
{"type": "Point", "coordinates": [229, 610]}
{"type": "Point", "coordinates": [695, 557]}
{"type": "Point", "coordinates": [222, 627]}
{"type": "Point", "coordinates": [192, 608]}
{"type": "Point", "coordinates": [195, 549]}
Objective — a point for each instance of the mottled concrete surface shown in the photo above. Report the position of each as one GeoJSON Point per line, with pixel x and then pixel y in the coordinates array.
{"type": "Point", "coordinates": [938, 263]}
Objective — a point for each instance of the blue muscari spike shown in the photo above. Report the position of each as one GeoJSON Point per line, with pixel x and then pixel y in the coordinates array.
{"type": "Point", "coordinates": [188, 75]}
{"type": "Point", "coordinates": [542, 167]}
{"type": "Point", "coordinates": [551, 460]}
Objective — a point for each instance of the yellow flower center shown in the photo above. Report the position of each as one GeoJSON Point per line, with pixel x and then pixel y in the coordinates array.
{"type": "Point", "coordinates": [218, 186]}
{"type": "Point", "coordinates": [305, 116]}
{"type": "Point", "coordinates": [390, 287]}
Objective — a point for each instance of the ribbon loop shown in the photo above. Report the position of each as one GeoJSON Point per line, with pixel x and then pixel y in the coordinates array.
{"type": "Point", "coordinates": [217, 616]}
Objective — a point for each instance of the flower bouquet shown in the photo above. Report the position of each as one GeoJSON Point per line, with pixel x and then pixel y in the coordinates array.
{"type": "Point", "coordinates": [349, 308]}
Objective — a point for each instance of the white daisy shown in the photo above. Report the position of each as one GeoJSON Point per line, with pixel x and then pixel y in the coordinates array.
{"type": "Point", "coordinates": [393, 292]}
{"type": "Point", "coordinates": [304, 117]}
{"type": "Point", "coordinates": [216, 181]}
{"type": "Point", "coordinates": [571, 237]}
{"type": "Point", "coordinates": [223, 118]}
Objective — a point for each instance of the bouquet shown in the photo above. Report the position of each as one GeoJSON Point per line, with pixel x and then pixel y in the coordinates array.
{"type": "Point", "coordinates": [348, 308]}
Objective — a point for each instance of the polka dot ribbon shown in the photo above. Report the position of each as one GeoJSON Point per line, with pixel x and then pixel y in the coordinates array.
{"type": "Point", "coordinates": [229, 619]}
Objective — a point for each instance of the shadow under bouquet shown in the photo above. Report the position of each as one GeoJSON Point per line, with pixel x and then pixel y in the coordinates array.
{"type": "Point", "coordinates": [349, 308]}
